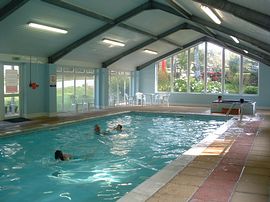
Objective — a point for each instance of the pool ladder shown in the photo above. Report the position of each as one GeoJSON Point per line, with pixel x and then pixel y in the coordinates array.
{"type": "Point", "coordinates": [230, 109]}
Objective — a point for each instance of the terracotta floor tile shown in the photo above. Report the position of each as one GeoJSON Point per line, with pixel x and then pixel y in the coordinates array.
{"type": "Point", "coordinates": [228, 168]}
{"type": "Point", "coordinates": [201, 200]}
{"type": "Point", "coordinates": [252, 178]}
{"type": "Point", "coordinates": [188, 180]}
{"type": "Point", "coordinates": [236, 155]}
{"type": "Point", "coordinates": [201, 172]}
{"type": "Point", "coordinates": [225, 184]}
{"type": "Point", "coordinates": [259, 164]}
{"type": "Point", "coordinates": [203, 164]}
{"type": "Point", "coordinates": [246, 197]}
{"type": "Point", "coordinates": [177, 190]}
{"type": "Point", "coordinates": [213, 193]}
{"type": "Point", "coordinates": [226, 176]}
{"type": "Point", "coordinates": [208, 158]}
{"type": "Point", "coordinates": [263, 142]}
{"type": "Point", "coordinates": [221, 143]}
{"type": "Point", "coordinates": [245, 139]}
{"type": "Point", "coordinates": [260, 152]}
{"type": "Point", "coordinates": [238, 148]}
{"type": "Point", "coordinates": [265, 148]}
{"type": "Point", "coordinates": [216, 148]}
{"type": "Point", "coordinates": [233, 161]}
{"type": "Point", "coordinates": [257, 171]}
{"type": "Point", "coordinates": [253, 188]}
{"type": "Point", "coordinates": [167, 198]}
{"type": "Point", "coordinates": [254, 157]}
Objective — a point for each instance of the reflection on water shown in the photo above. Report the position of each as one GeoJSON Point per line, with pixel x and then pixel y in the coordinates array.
{"type": "Point", "coordinates": [103, 168]}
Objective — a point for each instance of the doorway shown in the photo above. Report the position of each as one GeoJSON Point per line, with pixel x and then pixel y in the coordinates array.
{"type": "Point", "coordinates": [11, 91]}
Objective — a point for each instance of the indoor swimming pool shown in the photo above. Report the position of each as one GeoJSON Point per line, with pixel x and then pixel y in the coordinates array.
{"type": "Point", "coordinates": [103, 167]}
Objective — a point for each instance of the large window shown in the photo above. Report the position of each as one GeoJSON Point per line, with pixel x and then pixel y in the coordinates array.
{"type": "Point", "coordinates": [196, 72]}
{"type": "Point", "coordinates": [214, 68]}
{"type": "Point", "coordinates": [231, 73]}
{"type": "Point", "coordinates": [75, 88]}
{"type": "Point", "coordinates": [250, 76]}
{"type": "Point", "coordinates": [208, 68]}
{"type": "Point", "coordinates": [164, 75]}
{"type": "Point", "coordinates": [180, 72]}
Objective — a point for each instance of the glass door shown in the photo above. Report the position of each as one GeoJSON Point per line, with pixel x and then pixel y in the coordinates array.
{"type": "Point", "coordinates": [119, 88]}
{"type": "Point", "coordinates": [11, 91]}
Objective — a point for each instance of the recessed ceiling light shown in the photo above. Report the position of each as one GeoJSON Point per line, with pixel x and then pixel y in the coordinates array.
{"type": "Point", "coordinates": [150, 51]}
{"type": "Point", "coordinates": [211, 14]}
{"type": "Point", "coordinates": [113, 42]}
{"type": "Point", "coordinates": [47, 28]}
{"type": "Point", "coordinates": [235, 39]}
{"type": "Point", "coordinates": [245, 51]}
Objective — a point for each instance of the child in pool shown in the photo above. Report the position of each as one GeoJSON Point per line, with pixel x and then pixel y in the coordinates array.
{"type": "Point", "coordinates": [97, 129]}
{"type": "Point", "coordinates": [60, 155]}
{"type": "Point", "coordinates": [118, 128]}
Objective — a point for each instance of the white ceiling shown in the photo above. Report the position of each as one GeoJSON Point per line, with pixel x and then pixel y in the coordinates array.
{"type": "Point", "coordinates": [16, 38]}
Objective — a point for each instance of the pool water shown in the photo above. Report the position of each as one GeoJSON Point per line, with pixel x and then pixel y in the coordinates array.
{"type": "Point", "coordinates": [103, 168]}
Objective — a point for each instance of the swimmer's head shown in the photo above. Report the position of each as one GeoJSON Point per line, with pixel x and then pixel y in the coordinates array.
{"type": "Point", "coordinates": [97, 128]}
{"type": "Point", "coordinates": [59, 155]}
{"type": "Point", "coordinates": [119, 127]}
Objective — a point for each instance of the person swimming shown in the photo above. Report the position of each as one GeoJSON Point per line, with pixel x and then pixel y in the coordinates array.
{"type": "Point", "coordinates": [118, 127]}
{"type": "Point", "coordinates": [97, 129]}
{"type": "Point", "coordinates": [59, 155]}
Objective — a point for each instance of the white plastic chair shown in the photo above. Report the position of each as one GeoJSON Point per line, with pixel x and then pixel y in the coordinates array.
{"type": "Point", "coordinates": [85, 103]}
{"type": "Point", "coordinates": [157, 99]}
{"type": "Point", "coordinates": [140, 98]}
{"type": "Point", "coordinates": [165, 99]}
{"type": "Point", "coordinates": [129, 99]}
{"type": "Point", "coordinates": [74, 102]}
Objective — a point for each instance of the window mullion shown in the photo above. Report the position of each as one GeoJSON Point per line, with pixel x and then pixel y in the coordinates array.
{"type": "Point", "coordinates": [241, 76]}
{"type": "Point", "coordinates": [205, 68]}
{"type": "Point", "coordinates": [223, 71]}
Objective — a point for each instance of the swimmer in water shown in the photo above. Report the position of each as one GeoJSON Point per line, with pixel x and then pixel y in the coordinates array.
{"type": "Point", "coordinates": [97, 129]}
{"type": "Point", "coordinates": [58, 155]}
{"type": "Point", "coordinates": [118, 128]}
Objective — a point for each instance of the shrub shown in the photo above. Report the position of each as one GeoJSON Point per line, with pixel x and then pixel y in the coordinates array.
{"type": "Point", "coordinates": [180, 85]}
{"type": "Point", "coordinates": [251, 90]}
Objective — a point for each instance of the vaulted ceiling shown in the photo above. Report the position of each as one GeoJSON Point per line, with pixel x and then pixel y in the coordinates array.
{"type": "Point", "coordinates": [166, 26]}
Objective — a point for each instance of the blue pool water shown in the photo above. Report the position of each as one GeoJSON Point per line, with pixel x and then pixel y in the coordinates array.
{"type": "Point", "coordinates": [104, 168]}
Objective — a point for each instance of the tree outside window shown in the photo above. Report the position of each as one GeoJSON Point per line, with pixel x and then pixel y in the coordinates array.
{"type": "Point", "coordinates": [196, 69]}
{"type": "Point", "coordinates": [232, 68]}
{"type": "Point", "coordinates": [180, 72]}
{"type": "Point", "coordinates": [164, 75]}
{"type": "Point", "coordinates": [193, 78]}
{"type": "Point", "coordinates": [250, 76]}
{"type": "Point", "coordinates": [214, 68]}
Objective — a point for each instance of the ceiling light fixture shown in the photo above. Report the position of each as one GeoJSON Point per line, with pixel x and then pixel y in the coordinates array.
{"type": "Point", "coordinates": [113, 42]}
{"type": "Point", "coordinates": [150, 51]}
{"type": "Point", "coordinates": [245, 51]}
{"type": "Point", "coordinates": [47, 28]}
{"type": "Point", "coordinates": [235, 39]}
{"type": "Point", "coordinates": [211, 14]}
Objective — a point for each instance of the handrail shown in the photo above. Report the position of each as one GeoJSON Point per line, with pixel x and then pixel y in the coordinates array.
{"type": "Point", "coordinates": [230, 109]}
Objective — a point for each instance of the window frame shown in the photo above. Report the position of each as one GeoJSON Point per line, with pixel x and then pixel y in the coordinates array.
{"type": "Point", "coordinates": [241, 86]}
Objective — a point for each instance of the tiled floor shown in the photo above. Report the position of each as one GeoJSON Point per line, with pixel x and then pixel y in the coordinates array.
{"type": "Point", "coordinates": [234, 167]}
